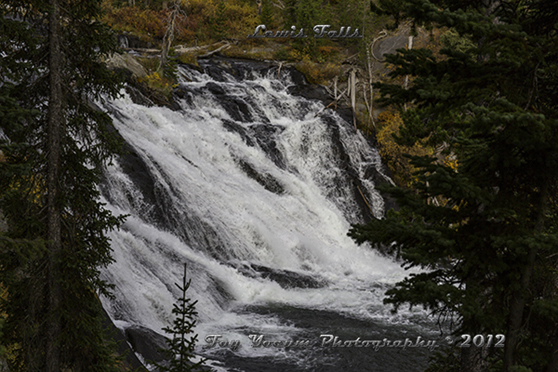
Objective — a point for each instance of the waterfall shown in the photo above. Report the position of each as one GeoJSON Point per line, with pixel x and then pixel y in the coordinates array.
{"type": "Point", "coordinates": [244, 182]}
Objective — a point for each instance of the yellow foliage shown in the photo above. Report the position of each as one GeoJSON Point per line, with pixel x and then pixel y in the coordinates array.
{"type": "Point", "coordinates": [318, 73]}
{"type": "Point", "coordinates": [392, 153]}
{"type": "Point", "coordinates": [207, 9]}
{"type": "Point", "coordinates": [188, 58]}
{"type": "Point", "coordinates": [134, 19]}
{"type": "Point", "coordinates": [298, 55]}
{"type": "Point", "coordinates": [241, 17]}
{"type": "Point", "coordinates": [450, 161]}
{"type": "Point", "coordinates": [158, 82]}
{"type": "Point", "coordinates": [327, 51]}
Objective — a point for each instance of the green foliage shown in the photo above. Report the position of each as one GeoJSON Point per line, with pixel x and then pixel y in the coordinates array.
{"type": "Point", "coordinates": [354, 13]}
{"type": "Point", "coordinates": [452, 41]}
{"type": "Point", "coordinates": [308, 14]}
{"type": "Point", "coordinates": [86, 144]}
{"type": "Point", "coordinates": [158, 82]}
{"type": "Point", "coordinates": [181, 347]}
{"type": "Point", "coordinates": [266, 18]}
{"type": "Point", "coordinates": [282, 54]}
{"type": "Point", "coordinates": [520, 369]}
{"type": "Point", "coordinates": [289, 14]}
{"type": "Point", "coordinates": [219, 21]}
{"type": "Point", "coordinates": [446, 360]}
{"type": "Point", "coordinates": [3, 349]}
{"type": "Point", "coordinates": [481, 226]}
{"type": "Point", "coordinates": [209, 21]}
{"type": "Point", "coordinates": [236, 19]}
{"type": "Point", "coordinates": [318, 73]}
{"type": "Point", "coordinates": [394, 154]}
{"type": "Point", "coordinates": [142, 21]}
{"type": "Point", "coordinates": [188, 58]}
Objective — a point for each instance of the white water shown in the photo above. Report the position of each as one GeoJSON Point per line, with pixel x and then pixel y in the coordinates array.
{"type": "Point", "coordinates": [222, 220]}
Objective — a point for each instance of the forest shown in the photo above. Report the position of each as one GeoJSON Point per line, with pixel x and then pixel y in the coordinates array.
{"type": "Point", "coordinates": [465, 119]}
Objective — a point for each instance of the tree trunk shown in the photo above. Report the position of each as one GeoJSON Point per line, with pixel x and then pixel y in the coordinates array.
{"type": "Point", "coordinates": [169, 35]}
{"type": "Point", "coordinates": [519, 298]}
{"type": "Point", "coordinates": [553, 363]}
{"type": "Point", "coordinates": [406, 85]}
{"type": "Point", "coordinates": [517, 306]}
{"type": "Point", "coordinates": [473, 359]}
{"type": "Point", "coordinates": [352, 93]}
{"type": "Point", "coordinates": [55, 121]}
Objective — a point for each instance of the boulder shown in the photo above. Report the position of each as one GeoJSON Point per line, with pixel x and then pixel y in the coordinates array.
{"type": "Point", "coordinates": [127, 62]}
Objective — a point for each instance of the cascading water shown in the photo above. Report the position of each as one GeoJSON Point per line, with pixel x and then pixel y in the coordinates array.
{"type": "Point", "coordinates": [251, 188]}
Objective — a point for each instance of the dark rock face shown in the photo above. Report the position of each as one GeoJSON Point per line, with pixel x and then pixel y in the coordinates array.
{"type": "Point", "coordinates": [253, 130]}
{"type": "Point", "coordinates": [242, 69]}
{"type": "Point", "coordinates": [266, 180]}
{"type": "Point", "coordinates": [127, 40]}
{"type": "Point", "coordinates": [136, 168]}
{"type": "Point", "coordinates": [162, 212]}
{"type": "Point", "coordinates": [147, 343]}
{"type": "Point", "coordinates": [303, 89]}
{"type": "Point", "coordinates": [150, 346]}
{"type": "Point", "coordinates": [285, 278]}
{"type": "Point", "coordinates": [131, 360]}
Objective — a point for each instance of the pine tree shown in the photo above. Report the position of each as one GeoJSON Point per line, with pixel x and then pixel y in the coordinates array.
{"type": "Point", "coordinates": [181, 347]}
{"type": "Point", "coordinates": [289, 13]}
{"type": "Point", "coordinates": [55, 141]}
{"type": "Point", "coordinates": [219, 20]}
{"type": "Point", "coordinates": [266, 16]}
{"type": "Point", "coordinates": [483, 229]}
{"type": "Point", "coordinates": [308, 14]}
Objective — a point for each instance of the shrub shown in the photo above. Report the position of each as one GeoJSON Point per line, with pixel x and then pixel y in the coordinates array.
{"type": "Point", "coordinates": [188, 58]}
{"type": "Point", "coordinates": [136, 20]}
{"type": "Point", "coordinates": [328, 51]}
{"type": "Point", "coordinates": [392, 153]}
{"type": "Point", "coordinates": [283, 54]}
{"type": "Point", "coordinates": [158, 82]}
{"type": "Point", "coordinates": [318, 73]}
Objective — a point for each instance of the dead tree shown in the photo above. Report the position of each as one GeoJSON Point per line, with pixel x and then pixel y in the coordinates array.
{"type": "Point", "coordinates": [169, 34]}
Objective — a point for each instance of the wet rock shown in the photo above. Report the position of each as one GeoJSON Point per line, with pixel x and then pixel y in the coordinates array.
{"type": "Point", "coordinates": [285, 278]}
{"type": "Point", "coordinates": [127, 62]}
{"type": "Point", "coordinates": [265, 179]}
{"type": "Point", "coordinates": [146, 342]}
{"type": "Point", "coordinates": [127, 40]}
{"type": "Point", "coordinates": [130, 359]}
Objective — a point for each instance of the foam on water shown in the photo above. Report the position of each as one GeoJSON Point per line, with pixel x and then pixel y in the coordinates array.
{"type": "Point", "coordinates": [219, 218]}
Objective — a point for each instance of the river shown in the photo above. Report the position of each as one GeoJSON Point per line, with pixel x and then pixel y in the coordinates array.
{"type": "Point", "coordinates": [255, 186]}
